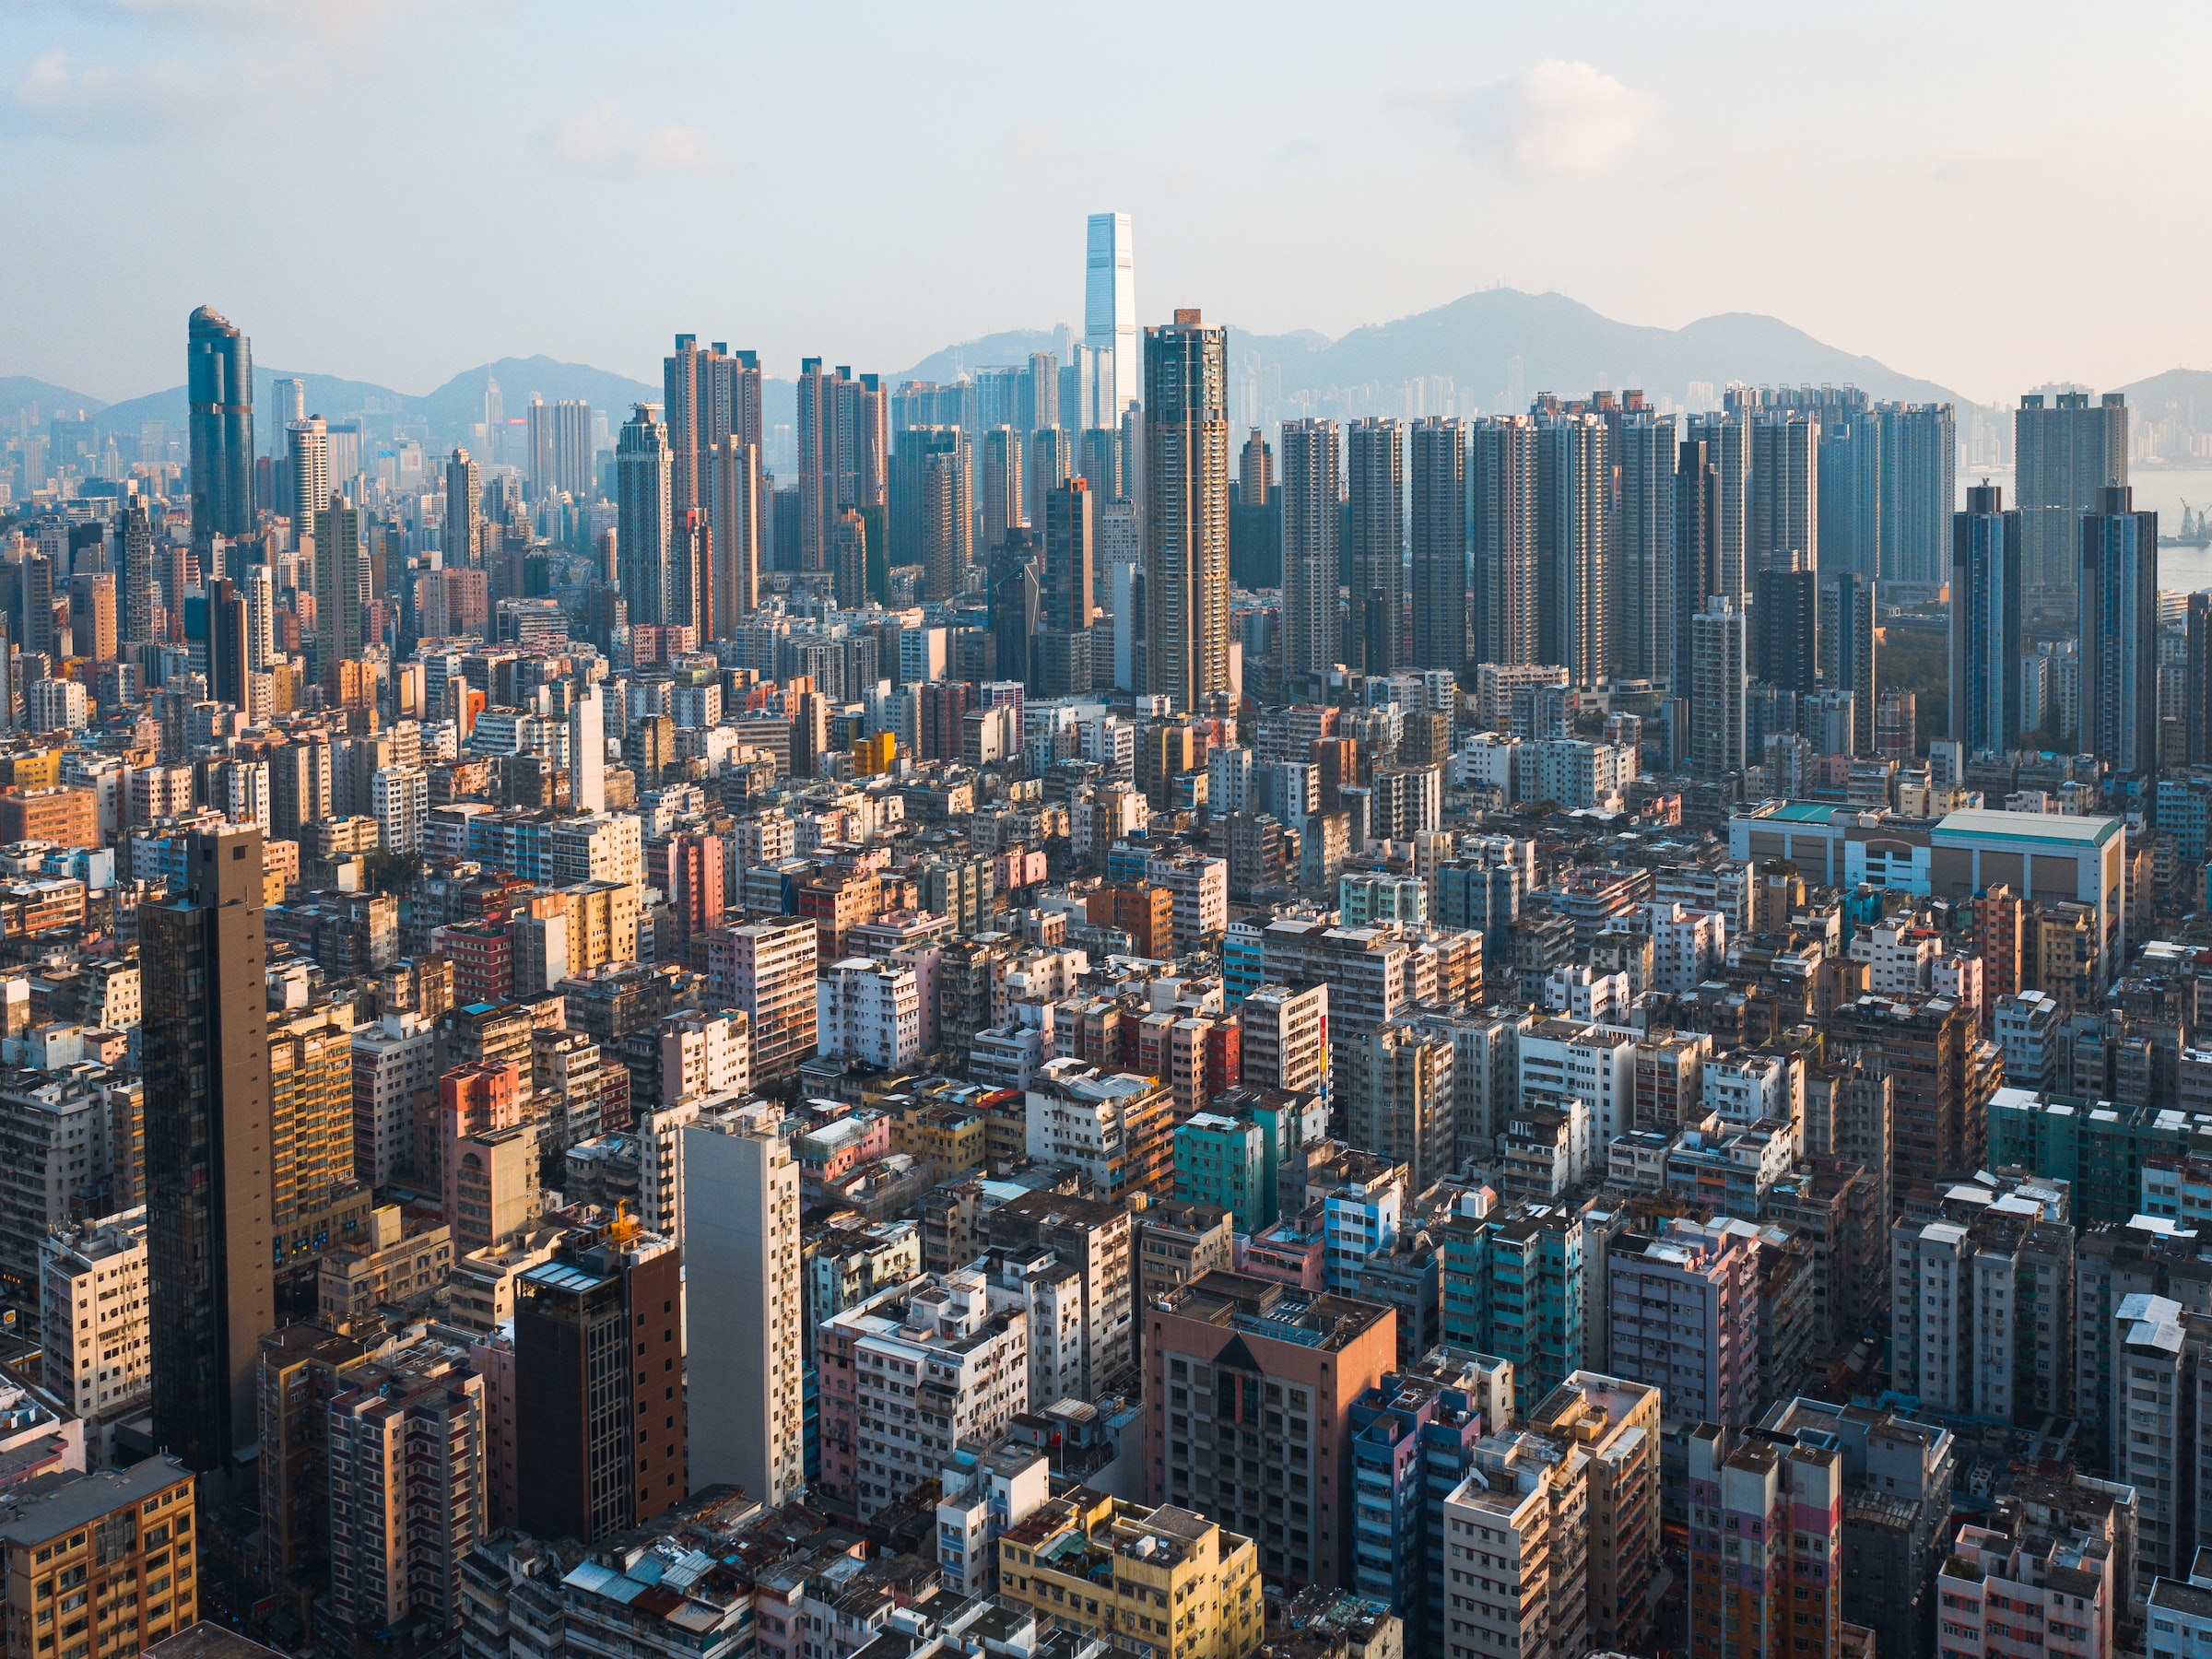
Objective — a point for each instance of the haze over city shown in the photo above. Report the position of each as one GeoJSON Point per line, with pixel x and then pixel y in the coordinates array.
{"type": "Point", "coordinates": [1937, 187]}
{"type": "Point", "coordinates": [989, 832]}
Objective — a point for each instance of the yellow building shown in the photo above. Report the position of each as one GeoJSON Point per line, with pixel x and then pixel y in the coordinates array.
{"type": "Point", "coordinates": [1166, 1581]}
{"type": "Point", "coordinates": [101, 1563]}
{"type": "Point", "coordinates": [1617, 1423]}
{"type": "Point", "coordinates": [954, 1138]}
{"type": "Point", "coordinates": [874, 755]}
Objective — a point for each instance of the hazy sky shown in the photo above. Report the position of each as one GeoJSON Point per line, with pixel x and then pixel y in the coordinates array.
{"type": "Point", "coordinates": [1991, 196]}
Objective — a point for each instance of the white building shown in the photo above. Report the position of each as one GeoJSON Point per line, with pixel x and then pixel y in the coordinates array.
{"type": "Point", "coordinates": [93, 1314]}
{"type": "Point", "coordinates": [1580, 993]}
{"type": "Point", "coordinates": [869, 1009]}
{"type": "Point", "coordinates": [1595, 1063]}
{"type": "Point", "coordinates": [935, 1367]}
{"type": "Point", "coordinates": [399, 800]}
{"type": "Point", "coordinates": [394, 1061]}
{"type": "Point", "coordinates": [2026, 1031]}
{"type": "Point", "coordinates": [986, 1494]}
{"type": "Point", "coordinates": [744, 1305]}
{"type": "Point", "coordinates": [1688, 947]}
{"type": "Point", "coordinates": [1574, 772]}
{"type": "Point", "coordinates": [706, 1055]}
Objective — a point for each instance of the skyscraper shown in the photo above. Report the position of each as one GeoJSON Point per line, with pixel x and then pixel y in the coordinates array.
{"type": "Point", "coordinates": [733, 510]}
{"type": "Point", "coordinates": [342, 587]}
{"type": "Point", "coordinates": [1003, 505]}
{"type": "Point", "coordinates": [1312, 523]}
{"type": "Point", "coordinates": [1575, 495]}
{"type": "Point", "coordinates": [1502, 467]}
{"type": "Point", "coordinates": [307, 462]}
{"type": "Point", "coordinates": [746, 1361]}
{"type": "Point", "coordinates": [1784, 491]}
{"type": "Point", "coordinates": [1186, 510]}
{"type": "Point", "coordinates": [2120, 634]}
{"type": "Point", "coordinates": [1696, 547]}
{"type": "Point", "coordinates": [1375, 457]}
{"type": "Point", "coordinates": [1440, 543]}
{"type": "Point", "coordinates": [139, 577]}
{"type": "Point", "coordinates": [208, 1230]}
{"type": "Point", "coordinates": [1846, 642]}
{"type": "Point", "coordinates": [587, 750]}
{"type": "Point", "coordinates": [1785, 624]}
{"type": "Point", "coordinates": [1988, 609]}
{"type": "Point", "coordinates": [1110, 304]}
{"type": "Point", "coordinates": [1049, 465]}
{"type": "Point", "coordinates": [2066, 454]}
{"type": "Point", "coordinates": [1040, 392]}
{"type": "Point", "coordinates": [606, 1452]}
{"type": "Point", "coordinates": [218, 374]}
{"type": "Point", "coordinates": [709, 396]}
{"type": "Point", "coordinates": [1727, 441]}
{"type": "Point", "coordinates": [1065, 649]}
{"type": "Point", "coordinates": [561, 447]}
{"type": "Point", "coordinates": [930, 520]}
{"type": "Point", "coordinates": [1644, 559]}
{"type": "Point", "coordinates": [464, 513]}
{"type": "Point", "coordinates": [816, 420]}
{"type": "Point", "coordinates": [1850, 485]}
{"type": "Point", "coordinates": [645, 520]}
{"type": "Point", "coordinates": [1717, 682]}
{"type": "Point", "coordinates": [1920, 466]}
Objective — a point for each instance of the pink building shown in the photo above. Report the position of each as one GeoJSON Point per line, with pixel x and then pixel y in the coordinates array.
{"type": "Point", "coordinates": [1682, 1313]}
{"type": "Point", "coordinates": [1293, 1251]}
{"type": "Point", "coordinates": [2030, 1585]}
{"type": "Point", "coordinates": [833, 1150]}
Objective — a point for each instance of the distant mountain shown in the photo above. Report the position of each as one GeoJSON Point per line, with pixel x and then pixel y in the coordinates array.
{"type": "Point", "coordinates": [2182, 392]}
{"type": "Point", "coordinates": [1561, 346]}
{"type": "Point", "coordinates": [459, 404]}
{"type": "Point", "coordinates": [450, 411]}
{"type": "Point", "coordinates": [20, 392]}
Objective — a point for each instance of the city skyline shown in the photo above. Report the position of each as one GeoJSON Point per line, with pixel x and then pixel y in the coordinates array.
{"type": "Point", "coordinates": [1558, 143]}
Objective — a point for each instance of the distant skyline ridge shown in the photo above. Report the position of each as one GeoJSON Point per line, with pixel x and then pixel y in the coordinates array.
{"type": "Point", "coordinates": [1491, 350]}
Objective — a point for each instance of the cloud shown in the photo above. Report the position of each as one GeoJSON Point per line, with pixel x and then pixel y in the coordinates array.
{"type": "Point", "coordinates": [603, 138]}
{"type": "Point", "coordinates": [1558, 120]}
{"type": "Point", "coordinates": [56, 95]}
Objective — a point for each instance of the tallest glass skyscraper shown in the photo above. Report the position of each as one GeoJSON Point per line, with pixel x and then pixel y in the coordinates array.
{"type": "Point", "coordinates": [220, 385]}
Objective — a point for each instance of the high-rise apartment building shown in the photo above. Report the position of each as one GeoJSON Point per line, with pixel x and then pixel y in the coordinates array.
{"type": "Point", "coordinates": [931, 522]}
{"type": "Point", "coordinates": [1846, 643]}
{"type": "Point", "coordinates": [1644, 453]}
{"type": "Point", "coordinates": [644, 519]}
{"type": "Point", "coordinates": [1920, 466]}
{"type": "Point", "coordinates": [1766, 1544]}
{"type": "Point", "coordinates": [933, 1356]}
{"type": "Point", "coordinates": [711, 396]}
{"type": "Point", "coordinates": [1109, 308]}
{"type": "Point", "coordinates": [599, 1389]}
{"type": "Point", "coordinates": [1048, 462]}
{"type": "Point", "coordinates": [1697, 575]}
{"type": "Point", "coordinates": [1988, 613]}
{"type": "Point", "coordinates": [741, 1245]}
{"type": "Point", "coordinates": [733, 523]}
{"type": "Point", "coordinates": [1517, 1550]}
{"type": "Point", "coordinates": [560, 448]}
{"type": "Point", "coordinates": [2067, 453]}
{"type": "Point", "coordinates": [1617, 1421]}
{"type": "Point", "coordinates": [126, 1540]}
{"type": "Point", "coordinates": [1574, 525]}
{"type": "Point", "coordinates": [1163, 1557]}
{"type": "Point", "coordinates": [766, 969]}
{"type": "Point", "coordinates": [208, 1227]}
{"type": "Point", "coordinates": [1185, 519]}
{"type": "Point", "coordinates": [1312, 494]}
{"type": "Point", "coordinates": [1375, 460]}
{"type": "Point", "coordinates": [2119, 634]}
{"type": "Point", "coordinates": [343, 587]}
{"type": "Point", "coordinates": [408, 1479]}
{"type": "Point", "coordinates": [1727, 441]}
{"type": "Point", "coordinates": [307, 468]}
{"type": "Point", "coordinates": [1785, 506]}
{"type": "Point", "coordinates": [999, 491]}
{"type": "Point", "coordinates": [220, 386]}
{"type": "Point", "coordinates": [1682, 1317]}
{"type": "Point", "coordinates": [1440, 543]}
{"type": "Point", "coordinates": [1272, 1457]}
{"type": "Point", "coordinates": [1718, 680]}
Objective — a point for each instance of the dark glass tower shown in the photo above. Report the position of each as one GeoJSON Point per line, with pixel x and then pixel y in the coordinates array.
{"type": "Point", "coordinates": [218, 374]}
{"type": "Point", "coordinates": [1988, 590]}
{"type": "Point", "coordinates": [208, 1238]}
{"type": "Point", "coordinates": [2120, 634]}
